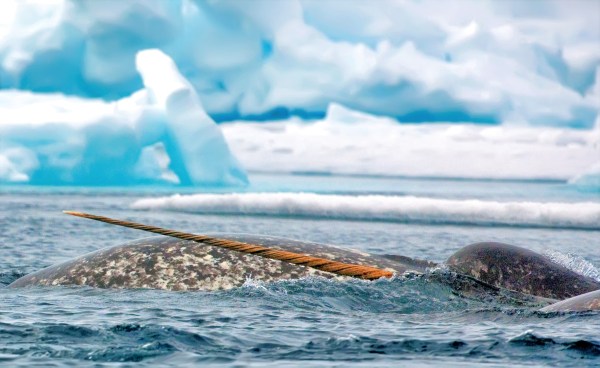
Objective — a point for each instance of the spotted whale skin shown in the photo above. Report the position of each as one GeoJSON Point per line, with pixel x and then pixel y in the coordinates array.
{"type": "Point", "coordinates": [487, 271]}
{"type": "Point", "coordinates": [580, 303]}
{"type": "Point", "coordinates": [520, 269]}
{"type": "Point", "coordinates": [173, 264]}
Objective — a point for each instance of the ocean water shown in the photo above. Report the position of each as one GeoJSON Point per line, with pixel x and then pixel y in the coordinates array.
{"type": "Point", "coordinates": [405, 321]}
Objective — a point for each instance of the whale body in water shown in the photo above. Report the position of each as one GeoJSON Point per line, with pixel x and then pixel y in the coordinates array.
{"type": "Point", "coordinates": [173, 264]}
{"type": "Point", "coordinates": [516, 268]}
{"type": "Point", "coordinates": [482, 270]}
{"type": "Point", "coordinates": [580, 303]}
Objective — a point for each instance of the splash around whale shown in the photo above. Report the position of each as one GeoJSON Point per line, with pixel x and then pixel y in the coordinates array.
{"type": "Point", "coordinates": [492, 271]}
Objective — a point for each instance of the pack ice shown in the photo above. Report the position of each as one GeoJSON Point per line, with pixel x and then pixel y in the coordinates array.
{"type": "Point", "coordinates": [89, 91]}
{"type": "Point", "coordinates": [417, 61]}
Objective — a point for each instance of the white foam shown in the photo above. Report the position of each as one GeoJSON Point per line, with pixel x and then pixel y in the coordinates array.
{"type": "Point", "coordinates": [583, 215]}
{"type": "Point", "coordinates": [575, 263]}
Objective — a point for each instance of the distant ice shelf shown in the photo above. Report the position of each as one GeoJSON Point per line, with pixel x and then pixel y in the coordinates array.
{"type": "Point", "coordinates": [355, 143]}
{"type": "Point", "coordinates": [162, 135]}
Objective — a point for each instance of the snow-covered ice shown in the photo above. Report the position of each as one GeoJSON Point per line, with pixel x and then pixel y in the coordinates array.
{"type": "Point", "coordinates": [351, 142]}
{"type": "Point", "coordinates": [125, 92]}
{"type": "Point", "coordinates": [528, 62]}
{"type": "Point", "coordinates": [160, 134]}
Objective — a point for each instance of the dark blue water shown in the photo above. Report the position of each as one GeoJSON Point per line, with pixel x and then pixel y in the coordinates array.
{"type": "Point", "coordinates": [311, 322]}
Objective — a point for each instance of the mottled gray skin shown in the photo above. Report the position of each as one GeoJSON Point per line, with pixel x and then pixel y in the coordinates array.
{"type": "Point", "coordinates": [586, 302]}
{"type": "Point", "coordinates": [173, 264]}
{"type": "Point", "coordinates": [514, 268]}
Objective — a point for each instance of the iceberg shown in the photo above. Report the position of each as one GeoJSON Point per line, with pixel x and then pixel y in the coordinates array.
{"type": "Point", "coordinates": [589, 180]}
{"type": "Point", "coordinates": [127, 92]}
{"type": "Point", "coordinates": [159, 134]}
{"type": "Point", "coordinates": [416, 61]}
{"type": "Point", "coordinates": [191, 136]}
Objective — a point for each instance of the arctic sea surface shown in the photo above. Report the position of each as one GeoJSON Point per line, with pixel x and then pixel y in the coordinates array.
{"type": "Point", "coordinates": [307, 322]}
{"type": "Point", "coordinates": [336, 122]}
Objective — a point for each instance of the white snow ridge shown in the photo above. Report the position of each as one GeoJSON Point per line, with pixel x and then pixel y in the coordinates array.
{"type": "Point", "coordinates": [583, 215]}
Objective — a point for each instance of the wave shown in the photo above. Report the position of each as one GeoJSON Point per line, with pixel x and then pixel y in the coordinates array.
{"type": "Point", "coordinates": [581, 215]}
{"type": "Point", "coordinates": [8, 277]}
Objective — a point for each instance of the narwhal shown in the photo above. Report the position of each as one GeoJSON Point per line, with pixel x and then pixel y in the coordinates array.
{"type": "Point", "coordinates": [185, 261]}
